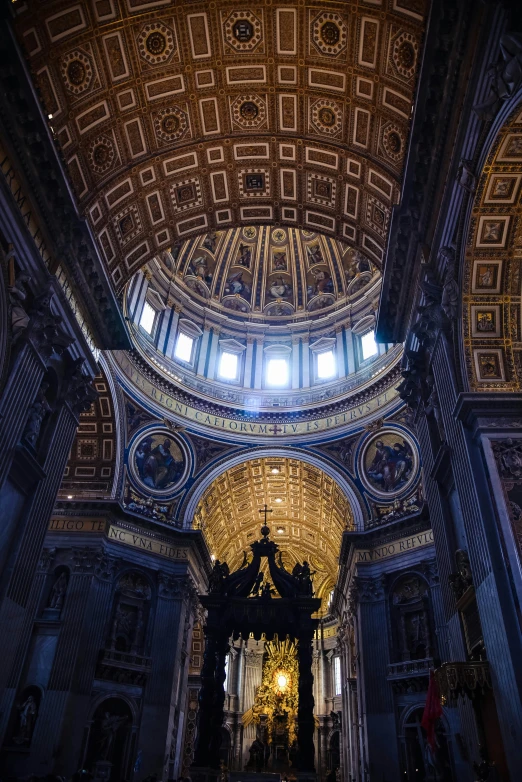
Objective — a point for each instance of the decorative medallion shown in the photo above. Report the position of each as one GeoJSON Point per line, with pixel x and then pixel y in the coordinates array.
{"type": "Point", "coordinates": [77, 72]}
{"type": "Point", "coordinates": [249, 111]}
{"type": "Point", "coordinates": [158, 462]}
{"type": "Point", "coordinates": [171, 124]}
{"type": "Point", "coordinates": [326, 116]}
{"type": "Point", "coordinates": [278, 235]}
{"type": "Point", "coordinates": [250, 232]}
{"type": "Point", "coordinates": [156, 43]}
{"type": "Point", "coordinates": [102, 154]}
{"type": "Point", "coordinates": [404, 54]}
{"type": "Point", "coordinates": [243, 31]}
{"type": "Point", "coordinates": [388, 463]}
{"type": "Point", "coordinates": [127, 223]}
{"type": "Point", "coordinates": [393, 141]}
{"type": "Point", "coordinates": [329, 34]}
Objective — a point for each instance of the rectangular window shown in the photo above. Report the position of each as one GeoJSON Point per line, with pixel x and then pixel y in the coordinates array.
{"type": "Point", "coordinates": [277, 372]}
{"type": "Point", "coordinates": [337, 676]}
{"type": "Point", "coordinates": [183, 349]}
{"type": "Point", "coordinates": [225, 683]}
{"type": "Point", "coordinates": [148, 316]}
{"type": "Point", "coordinates": [368, 345]}
{"type": "Point", "coordinates": [325, 364]}
{"type": "Point", "coordinates": [228, 365]}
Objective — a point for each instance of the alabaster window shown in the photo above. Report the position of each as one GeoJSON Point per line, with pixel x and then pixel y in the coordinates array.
{"type": "Point", "coordinates": [228, 365]}
{"type": "Point", "coordinates": [368, 345]}
{"type": "Point", "coordinates": [148, 318]}
{"type": "Point", "coordinates": [277, 372]}
{"type": "Point", "coordinates": [227, 670]}
{"type": "Point", "coordinates": [337, 675]}
{"type": "Point", "coordinates": [184, 347]}
{"type": "Point", "coordinates": [326, 365]}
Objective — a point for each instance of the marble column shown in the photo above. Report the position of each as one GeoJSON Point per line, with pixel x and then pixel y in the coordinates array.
{"type": "Point", "coordinates": [258, 371]}
{"type": "Point", "coordinates": [341, 364]}
{"type": "Point", "coordinates": [351, 368]}
{"type": "Point", "coordinates": [377, 702]}
{"type": "Point", "coordinates": [295, 362]}
{"type": "Point", "coordinates": [305, 709]}
{"type": "Point", "coordinates": [159, 704]}
{"type": "Point", "coordinates": [203, 352]}
{"type": "Point", "coordinates": [247, 378]}
{"type": "Point", "coordinates": [172, 332]}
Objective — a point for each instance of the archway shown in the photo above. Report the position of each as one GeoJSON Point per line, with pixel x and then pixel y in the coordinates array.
{"type": "Point", "coordinates": [308, 512]}
{"type": "Point", "coordinates": [108, 750]}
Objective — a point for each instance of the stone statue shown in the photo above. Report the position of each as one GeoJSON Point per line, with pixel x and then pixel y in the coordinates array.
{"type": "Point", "coordinates": [37, 413]}
{"type": "Point", "coordinates": [462, 579]}
{"type": "Point", "coordinates": [220, 571]}
{"type": "Point", "coordinates": [432, 406]}
{"type": "Point", "coordinates": [139, 630]}
{"type": "Point", "coordinates": [17, 298]}
{"type": "Point", "coordinates": [505, 75]}
{"type": "Point", "coordinates": [450, 289]}
{"type": "Point", "coordinates": [108, 728]}
{"type": "Point", "coordinates": [28, 713]}
{"type": "Point", "coordinates": [57, 594]}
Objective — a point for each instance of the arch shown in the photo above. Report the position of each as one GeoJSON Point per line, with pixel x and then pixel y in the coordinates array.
{"type": "Point", "coordinates": [491, 282]}
{"type": "Point", "coordinates": [109, 744]}
{"type": "Point", "coordinates": [91, 468]}
{"type": "Point", "coordinates": [264, 152]}
{"type": "Point", "coordinates": [197, 491]}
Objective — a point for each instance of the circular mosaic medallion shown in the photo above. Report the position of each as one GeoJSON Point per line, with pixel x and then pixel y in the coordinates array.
{"type": "Point", "coordinates": [171, 124]}
{"type": "Point", "coordinates": [158, 462]}
{"type": "Point", "coordinates": [388, 463]}
{"type": "Point", "coordinates": [327, 117]}
{"type": "Point", "coordinates": [77, 72]}
{"type": "Point", "coordinates": [249, 232]}
{"type": "Point", "coordinates": [101, 154]}
{"type": "Point", "coordinates": [330, 33]}
{"type": "Point", "coordinates": [248, 110]}
{"type": "Point", "coordinates": [155, 43]}
{"type": "Point", "coordinates": [243, 30]}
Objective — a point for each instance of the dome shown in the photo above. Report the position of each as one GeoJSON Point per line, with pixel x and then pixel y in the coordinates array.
{"type": "Point", "coordinates": [264, 274]}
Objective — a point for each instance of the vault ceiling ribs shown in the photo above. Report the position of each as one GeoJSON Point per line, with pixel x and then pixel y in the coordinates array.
{"type": "Point", "coordinates": [177, 119]}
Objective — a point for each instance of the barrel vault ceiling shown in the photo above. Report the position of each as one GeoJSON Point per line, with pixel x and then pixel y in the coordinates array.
{"type": "Point", "coordinates": [309, 514]}
{"type": "Point", "coordinates": [179, 118]}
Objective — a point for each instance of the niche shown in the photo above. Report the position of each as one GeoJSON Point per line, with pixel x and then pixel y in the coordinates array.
{"type": "Point", "coordinates": [130, 614]}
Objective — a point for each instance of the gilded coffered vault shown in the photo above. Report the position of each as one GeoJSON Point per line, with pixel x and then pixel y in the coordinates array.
{"type": "Point", "coordinates": [492, 281]}
{"type": "Point", "coordinates": [176, 119]}
{"type": "Point", "coordinates": [309, 515]}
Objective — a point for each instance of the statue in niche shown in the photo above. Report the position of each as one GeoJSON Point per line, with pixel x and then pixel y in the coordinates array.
{"type": "Point", "coordinates": [417, 636]}
{"type": "Point", "coordinates": [122, 627]}
{"type": "Point", "coordinates": [17, 299]}
{"type": "Point", "coordinates": [57, 594]}
{"type": "Point", "coordinates": [27, 714]}
{"type": "Point", "coordinates": [108, 728]}
{"type": "Point", "coordinates": [139, 631]}
{"type": "Point", "coordinates": [410, 589]}
{"type": "Point", "coordinates": [37, 413]}
{"type": "Point", "coordinates": [432, 406]}
{"type": "Point", "coordinates": [134, 585]}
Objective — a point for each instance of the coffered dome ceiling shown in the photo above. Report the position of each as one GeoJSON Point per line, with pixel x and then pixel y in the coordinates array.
{"type": "Point", "coordinates": [176, 119]}
{"type": "Point", "coordinates": [309, 515]}
{"type": "Point", "coordinates": [268, 274]}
